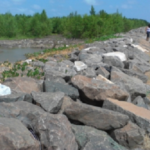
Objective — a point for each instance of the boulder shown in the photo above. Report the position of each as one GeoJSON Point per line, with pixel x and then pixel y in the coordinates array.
{"type": "Point", "coordinates": [64, 69]}
{"type": "Point", "coordinates": [133, 73]}
{"type": "Point", "coordinates": [139, 101]}
{"type": "Point", "coordinates": [89, 138]}
{"type": "Point", "coordinates": [87, 115]}
{"type": "Point", "coordinates": [90, 59]}
{"type": "Point", "coordinates": [74, 55]}
{"type": "Point", "coordinates": [79, 65]}
{"type": "Point", "coordinates": [89, 72]}
{"type": "Point", "coordinates": [50, 102]}
{"type": "Point", "coordinates": [38, 64]}
{"type": "Point", "coordinates": [54, 131]}
{"type": "Point", "coordinates": [133, 85]}
{"type": "Point", "coordinates": [130, 136]}
{"type": "Point", "coordinates": [14, 135]}
{"type": "Point", "coordinates": [113, 61]}
{"type": "Point", "coordinates": [98, 90]}
{"type": "Point", "coordinates": [16, 96]}
{"type": "Point", "coordinates": [101, 70]}
{"type": "Point", "coordinates": [49, 77]}
{"type": "Point", "coordinates": [69, 90]}
{"type": "Point", "coordinates": [137, 115]}
{"type": "Point", "coordinates": [22, 84]}
{"type": "Point", "coordinates": [120, 55]}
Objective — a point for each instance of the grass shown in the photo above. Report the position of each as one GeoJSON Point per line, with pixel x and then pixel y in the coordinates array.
{"type": "Point", "coordinates": [102, 38]}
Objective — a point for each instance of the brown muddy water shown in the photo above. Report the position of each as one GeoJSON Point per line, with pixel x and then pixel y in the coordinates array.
{"type": "Point", "coordinates": [15, 54]}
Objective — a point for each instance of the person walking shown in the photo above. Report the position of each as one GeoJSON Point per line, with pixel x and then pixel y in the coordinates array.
{"type": "Point", "coordinates": [147, 32]}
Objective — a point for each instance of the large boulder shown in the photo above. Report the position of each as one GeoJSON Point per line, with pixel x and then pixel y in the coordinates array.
{"type": "Point", "coordinates": [22, 84]}
{"type": "Point", "coordinates": [139, 101]}
{"type": "Point", "coordinates": [101, 70]}
{"type": "Point", "coordinates": [64, 69]}
{"type": "Point", "coordinates": [98, 89]}
{"type": "Point", "coordinates": [16, 96]}
{"type": "Point", "coordinates": [130, 136]}
{"type": "Point", "coordinates": [51, 86]}
{"type": "Point", "coordinates": [96, 117]}
{"type": "Point", "coordinates": [14, 135]}
{"type": "Point", "coordinates": [137, 115]}
{"type": "Point", "coordinates": [54, 130]}
{"type": "Point", "coordinates": [133, 73]}
{"type": "Point", "coordinates": [50, 102]}
{"type": "Point", "coordinates": [133, 85]}
{"type": "Point", "coordinates": [113, 61]}
{"type": "Point", "coordinates": [89, 138]}
{"type": "Point", "coordinates": [90, 59]}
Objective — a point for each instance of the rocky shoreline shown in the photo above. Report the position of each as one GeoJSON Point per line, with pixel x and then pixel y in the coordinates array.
{"type": "Point", "coordinates": [47, 42]}
{"type": "Point", "coordinates": [94, 100]}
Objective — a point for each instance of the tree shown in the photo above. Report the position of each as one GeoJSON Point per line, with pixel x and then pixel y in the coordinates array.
{"type": "Point", "coordinates": [92, 11]}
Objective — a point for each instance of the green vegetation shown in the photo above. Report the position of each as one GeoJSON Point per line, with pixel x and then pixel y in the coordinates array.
{"type": "Point", "coordinates": [19, 69]}
{"type": "Point", "coordinates": [72, 26]}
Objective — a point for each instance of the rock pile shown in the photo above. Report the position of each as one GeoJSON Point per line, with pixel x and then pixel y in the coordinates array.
{"type": "Point", "coordinates": [95, 100]}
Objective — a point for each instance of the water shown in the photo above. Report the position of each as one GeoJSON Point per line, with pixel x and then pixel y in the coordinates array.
{"type": "Point", "coordinates": [15, 54]}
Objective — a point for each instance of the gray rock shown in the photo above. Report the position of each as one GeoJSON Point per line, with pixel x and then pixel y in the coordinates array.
{"type": "Point", "coordinates": [137, 115]}
{"type": "Point", "coordinates": [69, 90]}
{"type": "Point", "coordinates": [89, 138]}
{"type": "Point", "coordinates": [16, 96]}
{"type": "Point", "coordinates": [101, 70]}
{"type": "Point", "coordinates": [130, 136]}
{"type": "Point", "coordinates": [14, 135]}
{"type": "Point", "coordinates": [139, 101]}
{"type": "Point", "coordinates": [50, 102]}
{"type": "Point", "coordinates": [74, 55]}
{"type": "Point", "coordinates": [54, 130]}
{"type": "Point", "coordinates": [98, 89]}
{"type": "Point", "coordinates": [49, 77]}
{"type": "Point", "coordinates": [89, 72]}
{"type": "Point", "coordinates": [38, 64]}
{"type": "Point", "coordinates": [139, 65]}
{"type": "Point", "coordinates": [87, 115]}
{"type": "Point", "coordinates": [22, 84]}
{"type": "Point", "coordinates": [133, 73]}
{"type": "Point", "coordinates": [64, 69]}
{"type": "Point", "coordinates": [133, 85]}
{"type": "Point", "coordinates": [113, 61]}
{"type": "Point", "coordinates": [90, 59]}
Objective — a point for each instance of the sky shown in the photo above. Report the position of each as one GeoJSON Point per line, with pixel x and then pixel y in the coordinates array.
{"type": "Point", "coordinates": [139, 9]}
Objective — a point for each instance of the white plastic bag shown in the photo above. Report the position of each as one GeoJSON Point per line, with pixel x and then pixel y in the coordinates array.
{"type": "Point", "coordinates": [4, 90]}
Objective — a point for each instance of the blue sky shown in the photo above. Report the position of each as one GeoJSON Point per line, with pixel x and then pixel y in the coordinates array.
{"type": "Point", "coordinates": [139, 9]}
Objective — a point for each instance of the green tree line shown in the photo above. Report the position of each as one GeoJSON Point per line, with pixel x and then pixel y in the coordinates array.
{"type": "Point", "coordinates": [72, 26]}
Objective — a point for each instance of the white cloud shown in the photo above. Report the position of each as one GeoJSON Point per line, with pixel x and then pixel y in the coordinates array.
{"type": "Point", "coordinates": [126, 6]}
{"type": "Point", "coordinates": [91, 2]}
{"type": "Point", "coordinates": [25, 11]}
{"type": "Point", "coordinates": [37, 7]}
